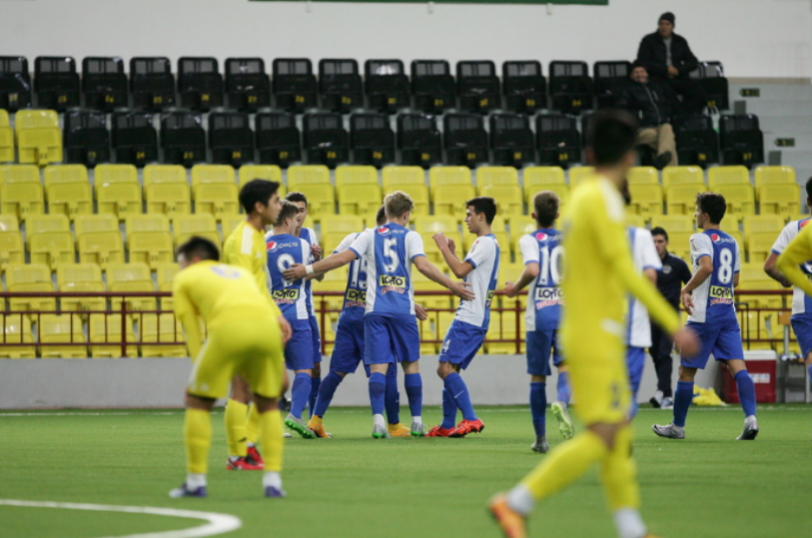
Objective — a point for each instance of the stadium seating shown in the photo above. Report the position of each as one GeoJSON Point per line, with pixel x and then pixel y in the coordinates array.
{"type": "Point", "coordinates": [422, 283]}
{"type": "Point", "coordinates": [610, 77]}
{"type": "Point", "coordinates": [117, 190]}
{"type": "Point", "coordinates": [56, 82]}
{"type": "Point", "coordinates": [15, 329]}
{"type": "Point", "coordinates": [217, 199]}
{"type": "Point", "coordinates": [478, 86]}
{"type": "Point", "coordinates": [740, 199]}
{"type": "Point", "coordinates": [728, 175]}
{"type": "Point", "coordinates": [741, 140]}
{"type": "Point", "coordinates": [409, 179]}
{"type": "Point", "coordinates": [63, 173]}
{"type": "Point", "coordinates": [674, 223]}
{"type": "Point", "coordinates": [539, 178]}
{"type": "Point", "coordinates": [72, 199]}
{"type": "Point", "coordinates": [203, 225]}
{"type": "Point", "coordinates": [156, 329]}
{"type": "Point", "coordinates": [647, 199]}
{"type": "Point", "coordinates": [151, 83]}
{"type": "Point", "coordinates": [135, 140]}
{"type": "Point", "coordinates": [52, 248]}
{"type": "Point", "coordinates": [710, 77]}
{"type": "Point", "coordinates": [6, 138]}
{"type": "Point", "coordinates": [433, 88]}
{"type": "Point", "coordinates": [65, 329]}
{"type": "Point", "coordinates": [248, 87]}
{"type": "Point", "coordinates": [681, 198]}
{"type": "Point", "coordinates": [137, 224]}
{"type": "Point", "coordinates": [372, 139]}
{"type": "Point", "coordinates": [325, 140]}
{"type": "Point", "coordinates": [773, 174]}
{"type": "Point", "coordinates": [19, 173]}
{"type": "Point", "coordinates": [211, 174]}
{"type": "Point", "coordinates": [87, 140]}
{"type": "Point", "coordinates": [450, 200]}
{"type": "Point", "coordinates": [294, 85]}
{"type": "Point", "coordinates": [359, 199]}
{"type": "Point", "coordinates": [170, 199]}
{"type": "Point", "coordinates": [504, 327]}
{"type": "Point", "coordinates": [104, 83]}
{"type": "Point", "coordinates": [33, 277]}
{"type": "Point", "coordinates": [643, 175]}
{"type": "Point", "coordinates": [130, 277]}
{"type": "Point", "coordinates": [448, 175]}
{"type": "Point", "coordinates": [511, 140]}
{"type": "Point", "coordinates": [165, 274]}
{"type": "Point", "coordinates": [12, 250]}
{"type": "Point", "coordinates": [277, 138]}
{"type": "Point", "coordinates": [387, 85]}
{"type": "Point", "coordinates": [570, 87]}
{"type": "Point", "coordinates": [334, 281]}
{"type": "Point", "coordinates": [466, 142]}
{"type": "Point", "coordinates": [419, 140]}
{"type": "Point", "coordinates": [183, 138]}
{"type": "Point", "coordinates": [681, 175]}
{"type": "Point", "coordinates": [759, 245]}
{"type": "Point", "coordinates": [763, 223]}
{"type": "Point", "coordinates": [753, 277]}
{"type": "Point", "coordinates": [557, 140]}
{"type": "Point", "coordinates": [579, 173]}
{"type": "Point", "coordinates": [15, 83]}
{"type": "Point", "coordinates": [102, 248]}
{"type": "Point", "coordinates": [697, 141]}
{"type": "Point", "coordinates": [108, 330]}
{"type": "Point", "coordinates": [780, 199]}
{"type": "Point", "coordinates": [679, 244]}
{"type": "Point", "coordinates": [231, 139]}
{"type": "Point", "coordinates": [39, 140]}
{"type": "Point", "coordinates": [307, 175]}
{"type": "Point", "coordinates": [21, 199]}
{"type": "Point", "coordinates": [509, 199]}
{"type": "Point", "coordinates": [356, 175]}
{"type": "Point", "coordinates": [80, 277]}
{"type": "Point", "coordinates": [340, 85]}
{"type": "Point", "coordinates": [247, 172]}
{"type": "Point", "coordinates": [200, 83]}
{"type": "Point", "coordinates": [427, 226]}
{"type": "Point", "coordinates": [497, 175]}
{"type": "Point", "coordinates": [635, 221]}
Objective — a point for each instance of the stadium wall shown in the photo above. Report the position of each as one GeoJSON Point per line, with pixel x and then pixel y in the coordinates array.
{"type": "Point", "coordinates": [753, 38]}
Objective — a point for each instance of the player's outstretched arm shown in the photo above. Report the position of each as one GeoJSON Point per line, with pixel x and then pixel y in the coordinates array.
{"type": "Point", "coordinates": [704, 270]}
{"type": "Point", "coordinates": [530, 272]}
{"type": "Point", "coordinates": [431, 272]}
{"type": "Point", "coordinates": [798, 252]}
{"type": "Point", "coordinates": [446, 246]}
{"type": "Point", "coordinates": [298, 271]}
{"type": "Point", "coordinates": [771, 268]}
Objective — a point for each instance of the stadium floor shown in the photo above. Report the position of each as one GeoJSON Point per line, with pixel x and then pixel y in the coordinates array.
{"type": "Point", "coordinates": [354, 486]}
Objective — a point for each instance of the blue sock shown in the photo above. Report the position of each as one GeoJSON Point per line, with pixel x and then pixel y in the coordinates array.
{"type": "Point", "coordinates": [300, 393]}
{"type": "Point", "coordinates": [538, 407]}
{"type": "Point", "coordinates": [634, 407]}
{"type": "Point", "coordinates": [392, 398]}
{"type": "Point", "coordinates": [682, 401]}
{"type": "Point", "coordinates": [563, 387]}
{"type": "Point", "coordinates": [414, 390]}
{"type": "Point", "coordinates": [326, 391]}
{"type": "Point", "coordinates": [747, 392]}
{"type": "Point", "coordinates": [377, 389]}
{"type": "Point", "coordinates": [315, 383]}
{"type": "Point", "coordinates": [810, 373]}
{"type": "Point", "coordinates": [449, 410]}
{"type": "Point", "coordinates": [459, 391]}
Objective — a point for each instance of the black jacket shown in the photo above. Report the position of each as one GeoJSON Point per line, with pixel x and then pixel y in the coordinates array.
{"type": "Point", "coordinates": [652, 54]}
{"type": "Point", "coordinates": [652, 103]}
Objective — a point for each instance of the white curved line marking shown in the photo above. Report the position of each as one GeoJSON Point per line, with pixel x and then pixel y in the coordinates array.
{"type": "Point", "coordinates": [216, 523]}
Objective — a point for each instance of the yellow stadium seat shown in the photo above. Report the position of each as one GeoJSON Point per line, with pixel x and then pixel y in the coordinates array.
{"type": "Point", "coordinates": [450, 200]}
{"type": "Point", "coordinates": [9, 223]}
{"type": "Point", "coordinates": [510, 272]}
{"type": "Point", "coordinates": [647, 199]}
{"type": "Point", "coordinates": [763, 223]}
{"type": "Point", "coordinates": [442, 322]}
{"type": "Point", "coordinates": [578, 173]}
{"type": "Point", "coordinates": [19, 173]}
{"type": "Point", "coordinates": [521, 224]}
{"type": "Point", "coordinates": [425, 330]}
{"type": "Point", "coordinates": [674, 223]}
{"type": "Point", "coordinates": [503, 327]}
{"type": "Point", "coordinates": [21, 199]}
{"type": "Point", "coordinates": [80, 277]}
{"type": "Point", "coordinates": [32, 277]}
{"type": "Point", "coordinates": [737, 235]}
{"type": "Point", "coordinates": [202, 225]}
{"type": "Point", "coordinates": [331, 240]}
{"type": "Point", "coordinates": [496, 175]}
{"type": "Point", "coordinates": [155, 331]}
{"type": "Point", "coordinates": [151, 248]}
{"type": "Point", "coordinates": [39, 139]}
{"type": "Point", "coordinates": [508, 198]}
{"type": "Point", "coordinates": [320, 199]}
{"type": "Point", "coordinates": [396, 176]}
{"type": "Point", "coordinates": [427, 226]}
{"type": "Point", "coordinates": [6, 138]}
{"type": "Point", "coordinates": [423, 284]}
{"type": "Point", "coordinates": [164, 173]}
{"type": "Point", "coordinates": [45, 223]}
{"type": "Point", "coordinates": [14, 331]}
{"type": "Point", "coordinates": [106, 336]}
{"type": "Point", "coordinates": [759, 245]}
{"type": "Point", "coordinates": [681, 198]}
{"type": "Point", "coordinates": [642, 174]}
{"type": "Point", "coordinates": [309, 223]}
{"type": "Point", "coordinates": [417, 191]}
{"type": "Point", "coordinates": [65, 329]}
{"type": "Point", "coordinates": [12, 250]}
{"type": "Point", "coordinates": [71, 199]}
{"type": "Point", "coordinates": [170, 199]}
{"type": "Point", "coordinates": [133, 276]}
{"type": "Point", "coordinates": [211, 173]}
{"type": "Point", "coordinates": [753, 277]}
{"type": "Point", "coordinates": [311, 174]}
{"type": "Point", "coordinates": [498, 224]}
{"type": "Point", "coordinates": [336, 227]}
{"type": "Point", "coordinates": [107, 174]}
{"type": "Point", "coordinates": [635, 221]}
{"type": "Point", "coordinates": [537, 178]}
{"type": "Point", "coordinates": [217, 199]}
{"type": "Point", "coordinates": [271, 172]}
{"type": "Point", "coordinates": [682, 175]}
{"type": "Point", "coordinates": [53, 249]}
{"type": "Point", "coordinates": [146, 223]}
{"type": "Point", "coordinates": [353, 175]}
{"type": "Point", "coordinates": [780, 199]}
{"type": "Point", "coordinates": [359, 199]}
{"type": "Point", "coordinates": [119, 199]}
{"type": "Point", "coordinates": [774, 174]}
{"type": "Point", "coordinates": [679, 244]}
{"type": "Point", "coordinates": [95, 223]}
{"type": "Point", "coordinates": [448, 175]}
{"type": "Point", "coordinates": [334, 281]}
{"type": "Point", "coordinates": [562, 190]}
{"type": "Point", "coordinates": [728, 175]}
{"type": "Point", "coordinates": [102, 248]}
{"type": "Point", "coordinates": [229, 222]}
{"type": "Point", "coordinates": [165, 273]}
{"type": "Point", "coordinates": [740, 200]}
{"type": "Point", "coordinates": [64, 173]}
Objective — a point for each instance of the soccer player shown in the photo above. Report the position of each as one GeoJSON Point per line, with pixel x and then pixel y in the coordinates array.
{"type": "Point", "coordinates": [542, 253]}
{"type": "Point", "coordinates": [349, 345]}
{"type": "Point", "coordinates": [245, 247]}
{"type": "Point", "coordinates": [465, 336]}
{"type": "Point", "coordinates": [598, 274]}
{"type": "Point", "coordinates": [708, 298]}
{"type": "Point", "coordinates": [244, 338]}
{"type": "Point", "coordinates": [801, 302]}
{"type": "Point", "coordinates": [390, 326]}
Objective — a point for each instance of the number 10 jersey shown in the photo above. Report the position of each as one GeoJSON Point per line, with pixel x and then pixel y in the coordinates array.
{"type": "Point", "coordinates": [544, 294]}
{"type": "Point", "coordinates": [713, 299]}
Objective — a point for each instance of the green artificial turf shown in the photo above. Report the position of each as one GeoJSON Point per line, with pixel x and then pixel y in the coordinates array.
{"type": "Point", "coordinates": [354, 486]}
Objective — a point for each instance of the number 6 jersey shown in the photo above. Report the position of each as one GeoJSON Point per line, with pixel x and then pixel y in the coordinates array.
{"type": "Point", "coordinates": [713, 299]}
{"type": "Point", "coordinates": [544, 294]}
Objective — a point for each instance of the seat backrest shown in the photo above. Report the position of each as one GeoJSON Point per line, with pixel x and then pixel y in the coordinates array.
{"type": "Point", "coordinates": [105, 174]}
{"type": "Point", "coordinates": [245, 73]}
{"type": "Point", "coordinates": [643, 174]}
{"type": "Point", "coordinates": [432, 76]}
{"type": "Point", "coordinates": [774, 174]}
{"type": "Point", "coordinates": [731, 123]}
{"type": "Point", "coordinates": [568, 69]}
{"type": "Point", "coordinates": [308, 174]}
{"type": "Point", "coordinates": [337, 68]}
{"type": "Point", "coordinates": [347, 175]}
{"type": "Point", "coordinates": [708, 70]}
{"type": "Point", "coordinates": [726, 175]}
{"type": "Point", "coordinates": [509, 126]}
{"type": "Point", "coordinates": [95, 223]}
{"type": "Point", "coordinates": [164, 173]}
{"type": "Point", "coordinates": [321, 128]}
{"type": "Point", "coordinates": [146, 223]}
{"type": "Point", "coordinates": [97, 68]}
{"type": "Point", "coordinates": [46, 223]}
{"type": "Point", "coordinates": [449, 175]}
{"type": "Point", "coordinates": [77, 272]}
{"type": "Point", "coordinates": [19, 173]}
{"type": "Point", "coordinates": [65, 173]}
{"type": "Point", "coordinates": [52, 72]}
{"type": "Point", "coordinates": [403, 175]}
{"type": "Point", "coordinates": [35, 119]}
{"type": "Point", "coordinates": [679, 175]}
{"type": "Point", "coordinates": [27, 274]}
{"type": "Point", "coordinates": [127, 272]}
{"type": "Point", "coordinates": [467, 128]}
{"type": "Point", "coordinates": [199, 73]}
{"type": "Point", "coordinates": [497, 175]}
{"type": "Point", "coordinates": [549, 123]}
{"type": "Point", "coordinates": [293, 74]}
{"type": "Point", "coordinates": [149, 74]}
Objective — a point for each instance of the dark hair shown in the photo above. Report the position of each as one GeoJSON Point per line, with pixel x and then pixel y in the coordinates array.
{"type": "Point", "coordinates": [545, 205]}
{"type": "Point", "coordinates": [625, 192]}
{"type": "Point", "coordinates": [657, 230]}
{"type": "Point", "coordinates": [713, 204]}
{"type": "Point", "coordinates": [380, 216]}
{"type": "Point", "coordinates": [199, 247]}
{"type": "Point", "coordinates": [257, 191]}
{"type": "Point", "coordinates": [610, 135]}
{"type": "Point", "coordinates": [296, 196]}
{"type": "Point", "coordinates": [289, 210]}
{"type": "Point", "coordinates": [483, 204]}
{"type": "Point", "coordinates": [809, 188]}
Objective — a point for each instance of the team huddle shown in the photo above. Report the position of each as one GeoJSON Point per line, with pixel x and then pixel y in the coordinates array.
{"type": "Point", "coordinates": [257, 307]}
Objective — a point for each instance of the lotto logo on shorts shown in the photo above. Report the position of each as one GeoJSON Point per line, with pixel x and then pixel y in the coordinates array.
{"type": "Point", "coordinates": [287, 295]}
{"type": "Point", "coordinates": [392, 283]}
{"type": "Point", "coordinates": [355, 298]}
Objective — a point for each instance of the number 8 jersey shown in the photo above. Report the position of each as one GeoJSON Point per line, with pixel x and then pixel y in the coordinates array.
{"type": "Point", "coordinates": [544, 294]}
{"type": "Point", "coordinates": [713, 299]}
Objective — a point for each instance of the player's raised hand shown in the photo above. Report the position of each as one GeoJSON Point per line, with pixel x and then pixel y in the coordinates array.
{"type": "Point", "coordinates": [421, 312]}
{"type": "Point", "coordinates": [452, 246]}
{"type": "Point", "coordinates": [687, 342]}
{"type": "Point", "coordinates": [287, 331]}
{"type": "Point", "coordinates": [317, 252]}
{"type": "Point", "coordinates": [441, 240]}
{"type": "Point", "coordinates": [461, 290]}
{"type": "Point", "coordinates": [687, 301]}
{"type": "Point", "coordinates": [296, 271]}
{"type": "Point", "coordinates": [510, 290]}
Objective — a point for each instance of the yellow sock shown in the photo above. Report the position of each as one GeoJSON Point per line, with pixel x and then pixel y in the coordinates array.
{"type": "Point", "coordinates": [197, 436]}
{"type": "Point", "coordinates": [316, 420]}
{"type": "Point", "coordinates": [272, 438]}
{"type": "Point", "coordinates": [619, 473]}
{"type": "Point", "coordinates": [252, 425]}
{"type": "Point", "coordinates": [235, 427]}
{"type": "Point", "coordinates": [564, 464]}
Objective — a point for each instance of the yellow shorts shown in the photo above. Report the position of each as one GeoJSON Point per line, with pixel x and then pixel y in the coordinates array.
{"type": "Point", "coordinates": [249, 347]}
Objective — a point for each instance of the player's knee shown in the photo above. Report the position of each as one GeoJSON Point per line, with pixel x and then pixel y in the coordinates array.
{"type": "Point", "coordinates": [444, 369]}
{"type": "Point", "coordinates": [606, 432]}
{"type": "Point", "coordinates": [316, 370]}
{"type": "Point", "coordinates": [199, 402]}
{"type": "Point", "coordinates": [538, 378]}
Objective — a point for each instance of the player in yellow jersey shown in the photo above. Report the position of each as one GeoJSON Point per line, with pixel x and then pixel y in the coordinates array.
{"type": "Point", "coordinates": [244, 338]}
{"type": "Point", "coordinates": [245, 247]}
{"type": "Point", "coordinates": [592, 334]}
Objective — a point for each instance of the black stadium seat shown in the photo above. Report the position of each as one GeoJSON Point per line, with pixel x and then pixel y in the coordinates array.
{"type": "Point", "coordinates": [325, 139]}
{"type": "Point", "coordinates": [387, 86]}
{"type": "Point", "coordinates": [511, 140]}
{"type": "Point", "coordinates": [711, 78]}
{"type": "Point", "coordinates": [294, 84]}
{"type": "Point", "coordinates": [609, 78]}
{"type": "Point", "coordinates": [557, 140]}
{"type": "Point", "coordinates": [104, 83]}
{"type": "Point", "coordinates": [87, 140]}
{"type": "Point", "coordinates": [372, 139]}
{"type": "Point", "coordinates": [152, 83]}
{"type": "Point", "coordinates": [340, 85]}
{"type": "Point", "coordinates": [419, 140]}
{"type": "Point", "coordinates": [697, 141]}
{"type": "Point", "coordinates": [277, 138]}
{"type": "Point", "coordinates": [524, 87]}
{"type": "Point", "coordinates": [478, 87]}
{"type": "Point", "coordinates": [231, 139]}
{"type": "Point", "coordinates": [200, 83]}
{"type": "Point", "coordinates": [15, 83]}
{"type": "Point", "coordinates": [248, 87]}
{"type": "Point", "coordinates": [432, 86]}
{"type": "Point", "coordinates": [570, 87]}
{"type": "Point", "coordinates": [466, 142]}
{"type": "Point", "coordinates": [741, 140]}
{"type": "Point", "coordinates": [134, 138]}
{"type": "Point", "coordinates": [56, 82]}
{"type": "Point", "coordinates": [183, 138]}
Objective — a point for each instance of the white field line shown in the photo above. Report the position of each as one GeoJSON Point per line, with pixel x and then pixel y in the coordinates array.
{"type": "Point", "coordinates": [216, 523]}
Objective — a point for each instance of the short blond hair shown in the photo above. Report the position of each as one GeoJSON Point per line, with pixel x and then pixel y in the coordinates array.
{"type": "Point", "coordinates": [397, 204]}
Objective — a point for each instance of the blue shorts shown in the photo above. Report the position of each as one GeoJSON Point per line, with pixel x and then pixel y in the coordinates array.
{"type": "Point", "coordinates": [315, 334]}
{"type": "Point", "coordinates": [722, 338]}
{"type": "Point", "coordinates": [802, 327]}
{"type": "Point", "coordinates": [461, 343]}
{"type": "Point", "coordinates": [388, 340]}
{"type": "Point", "coordinates": [349, 346]}
{"type": "Point", "coordinates": [299, 349]}
{"type": "Point", "coordinates": [540, 345]}
{"type": "Point", "coordinates": [635, 361]}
